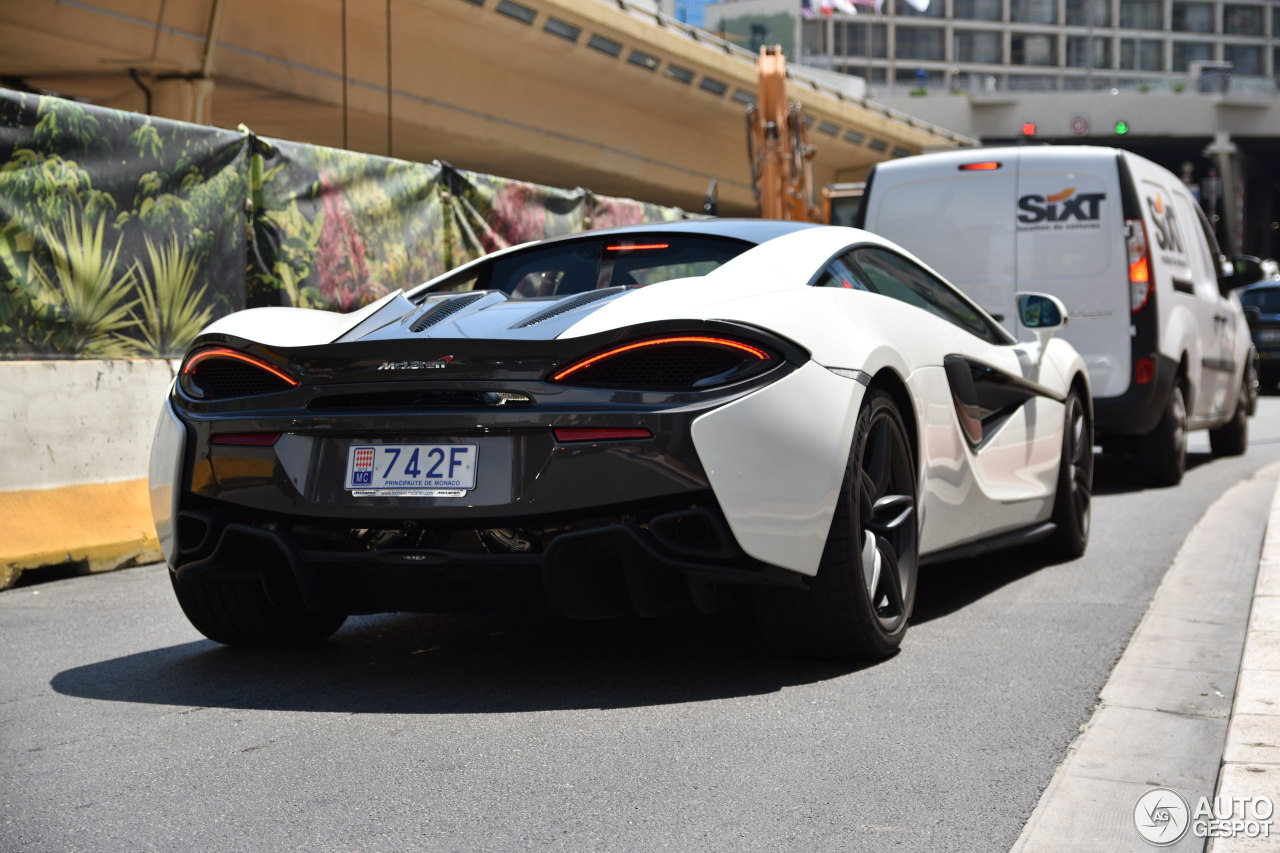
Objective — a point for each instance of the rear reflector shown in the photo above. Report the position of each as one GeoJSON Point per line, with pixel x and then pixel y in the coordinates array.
{"type": "Point", "coordinates": [247, 439]}
{"type": "Point", "coordinates": [1144, 371]}
{"type": "Point", "coordinates": [987, 166]}
{"type": "Point", "coordinates": [568, 434]}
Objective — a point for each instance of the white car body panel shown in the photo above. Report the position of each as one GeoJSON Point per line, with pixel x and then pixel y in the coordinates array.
{"type": "Point", "coordinates": [776, 459]}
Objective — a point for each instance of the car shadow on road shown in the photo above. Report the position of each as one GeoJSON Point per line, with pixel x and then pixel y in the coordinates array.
{"type": "Point", "coordinates": [1115, 475]}
{"type": "Point", "coordinates": [944, 588]}
{"type": "Point", "coordinates": [441, 664]}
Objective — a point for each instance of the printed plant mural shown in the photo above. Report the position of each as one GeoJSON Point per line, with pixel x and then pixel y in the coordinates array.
{"type": "Point", "coordinates": [86, 196]}
{"type": "Point", "coordinates": [123, 235]}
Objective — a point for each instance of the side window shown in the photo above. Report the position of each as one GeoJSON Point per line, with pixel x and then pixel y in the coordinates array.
{"type": "Point", "coordinates": [894, 276]}
{"type": "Point", "coordinates": [1215, 252]}
{"type": "Point", "coordinates": [841, 274]}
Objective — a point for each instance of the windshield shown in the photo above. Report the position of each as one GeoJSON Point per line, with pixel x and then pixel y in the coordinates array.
{"type": "Point", "coordinates": [1265, 299]}
{"type": "Point", "coordinates": [574, 266]}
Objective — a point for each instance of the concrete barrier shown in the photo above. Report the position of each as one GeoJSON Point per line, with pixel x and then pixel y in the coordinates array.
{"type": "Point", "coordinates": [74, 442]}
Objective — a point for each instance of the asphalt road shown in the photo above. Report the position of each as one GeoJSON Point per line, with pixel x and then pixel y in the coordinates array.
{"type": "Point", "coordinates": [121, 729]}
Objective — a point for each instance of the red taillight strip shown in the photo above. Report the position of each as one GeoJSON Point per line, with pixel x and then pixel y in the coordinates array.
{"type": "Point", "coordinates": [684, 339]}
{"type": "Point", "coordinates": [223, 352]}
{"type": "Point", "coordinates": [247, 439]}
{"type": "Point", "coordinates": [988, 166]}
{"type": "Point", "coordinates": [567, 434]}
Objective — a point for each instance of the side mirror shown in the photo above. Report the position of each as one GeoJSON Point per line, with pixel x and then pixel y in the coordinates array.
{"type": "Point", "coordinates": [1245, 269]}
{"type": "Point", "coordinates": [1041, 312]}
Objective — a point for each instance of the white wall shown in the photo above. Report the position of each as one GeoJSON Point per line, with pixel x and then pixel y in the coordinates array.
{"type": "Point", "coordinates": [69, 422]}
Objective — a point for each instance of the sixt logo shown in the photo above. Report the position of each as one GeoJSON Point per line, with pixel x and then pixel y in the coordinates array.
{"type": "Point", "coordinates": [1168, 234]}
{"type": "Point", "coordinates": [1061, 206]}
{"type": "Point", "coordinates": [438, 364]}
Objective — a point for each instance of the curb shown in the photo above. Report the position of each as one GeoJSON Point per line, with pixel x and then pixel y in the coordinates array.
{"type": "Point", "coordinates": [1162, 718]}
{"type": "Point", "coordinates": [1251, 761]}
{"type": "Point", "coordinates": [103, 525]}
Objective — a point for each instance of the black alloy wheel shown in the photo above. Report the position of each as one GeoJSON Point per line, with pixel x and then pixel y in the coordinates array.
{"type": "Point", "coordinates": [1073, 503]}
{"type": "Point", "coordinates": [859, 604]}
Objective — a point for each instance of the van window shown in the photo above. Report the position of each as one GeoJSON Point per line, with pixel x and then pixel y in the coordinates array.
{"type": "Point", "coordinates": [890, 274]}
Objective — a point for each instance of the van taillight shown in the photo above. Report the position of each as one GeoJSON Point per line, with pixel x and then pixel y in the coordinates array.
{"type": "Point", "coordinates": [1139, 264]}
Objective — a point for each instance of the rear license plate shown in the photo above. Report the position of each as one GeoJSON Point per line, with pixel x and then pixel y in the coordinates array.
{"type": "Point", "coordinates": [411, 470]}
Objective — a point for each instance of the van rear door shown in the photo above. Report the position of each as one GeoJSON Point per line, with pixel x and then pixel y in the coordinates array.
{"type": "Point", "coordinates": [1071, 243]}
{"type": "Point", "coordinates": [952, 212]}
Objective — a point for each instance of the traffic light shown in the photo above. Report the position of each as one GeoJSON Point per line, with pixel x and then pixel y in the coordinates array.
{"type": "Point", "coordinates": [1028, 128]}
{"type": "Point", "coordinates": [1122, 127]}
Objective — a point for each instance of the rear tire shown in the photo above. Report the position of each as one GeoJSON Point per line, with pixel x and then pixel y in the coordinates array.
{"type": "Point", "coordinates": [859, 604]}
{"type": "Point", "coordinates": [1162, 453]}
{"type": "Point", "coordinates": [1232, 438]}
{"type": "Point", "coordinates": [239, 612]}
{"type": "Point", "coordinates": [1072, 505]}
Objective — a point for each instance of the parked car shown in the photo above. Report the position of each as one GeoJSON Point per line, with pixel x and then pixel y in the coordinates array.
{"type": "Point", "coordinates": [1123, 243]}
{"type": "Point", "coordinates": [1261, 303]}
{"type": "Point", "coordinates": [627, 421]}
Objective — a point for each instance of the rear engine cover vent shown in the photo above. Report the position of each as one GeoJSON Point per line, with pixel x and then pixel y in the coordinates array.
{"type": "Point", "coordinates": [444, 309]}
{"type": "Point", "coordinates": [564, 306]}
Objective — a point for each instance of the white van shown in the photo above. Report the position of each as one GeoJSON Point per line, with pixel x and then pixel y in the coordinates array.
{"type": "Point", "coordinates": [1122, 243]}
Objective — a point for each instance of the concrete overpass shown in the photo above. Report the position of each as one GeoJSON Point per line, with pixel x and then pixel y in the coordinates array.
{"type": "Point", "coordinates": [608, 96]}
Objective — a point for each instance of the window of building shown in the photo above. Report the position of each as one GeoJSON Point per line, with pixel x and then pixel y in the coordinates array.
{"type": "Point", "coordinates": [1142, 14]}
{"type": "Point", "coordinates": [1033, 11]}
{"type": "Point", "coordinates": [937, 9]}
{"type": "Point", "coordinates": [976, 10]}
{"type": "Point", "coordinates": [1186, 52]}
{"type": "Point", "coordinates": [1083, 52]}
{"type": "Point", "coordinates": [1088, 13]}
{"type": "Point", "coordinates": [1245, 59]}
{"type": "Point", "coordinates": [920, 43]}
{"type": "Point", "coordinates": [1033, 49]}
{"type": "Point", "coordinates": [1242, 20]}
{"type": "Point", "coordinates": [1140, 55]}
{"type": "Point", "coordinates": [978, 47]}
{"type": "Point", "coordinates": [1193, 17]}
{"type": "Point", "coordinates": [814, 38]}
{"type": "Point", "coordinates": [855, 40]}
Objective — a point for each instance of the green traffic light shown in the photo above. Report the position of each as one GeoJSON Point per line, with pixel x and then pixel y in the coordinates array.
{"type": "Point", "coordinates": [1122, 127]}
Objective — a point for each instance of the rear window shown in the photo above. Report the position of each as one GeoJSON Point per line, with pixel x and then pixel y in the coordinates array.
{"type": "Point", "coordinates": [1265, 299]}
{"type": "Point", "coordinates": [575, 266]}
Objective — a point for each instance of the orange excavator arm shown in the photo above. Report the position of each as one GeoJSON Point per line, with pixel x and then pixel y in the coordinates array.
{"type": "Point", "coordinates": [778, 145]}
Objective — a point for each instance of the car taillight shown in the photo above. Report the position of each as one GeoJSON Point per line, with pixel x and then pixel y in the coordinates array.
{"type": "Point", "coordinates": [1140, 284]}
{"type": "Point", "coordinates": [675, 363]}
{"type": "Point", "coordinates": [216, 373]}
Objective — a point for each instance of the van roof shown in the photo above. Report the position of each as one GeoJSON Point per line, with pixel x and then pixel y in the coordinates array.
{"type": "Point", "coordinates": [1037, 154]}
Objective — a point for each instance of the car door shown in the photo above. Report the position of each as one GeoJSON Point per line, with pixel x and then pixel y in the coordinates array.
{"type": "Point", "coordinates": [993, 430]}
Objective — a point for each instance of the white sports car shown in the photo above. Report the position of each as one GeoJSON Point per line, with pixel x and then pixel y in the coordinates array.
{"type": "Point", "coordinates": [703, 414]}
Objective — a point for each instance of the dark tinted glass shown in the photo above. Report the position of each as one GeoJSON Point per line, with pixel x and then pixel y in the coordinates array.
{"type": "Point", "coordinates": [892, 275]}
{"type": "Point", "coordinates": [575, 266]}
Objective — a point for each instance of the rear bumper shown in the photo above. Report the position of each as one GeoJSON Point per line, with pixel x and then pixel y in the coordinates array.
{"type": "Point", "coordinates": [674, 561]}
{"type": "Point", "coordinates": [1138, 410]}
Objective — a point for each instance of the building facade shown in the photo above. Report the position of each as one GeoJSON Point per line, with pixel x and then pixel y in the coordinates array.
{"type": "Point", "coordinates": [1051, 45]}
